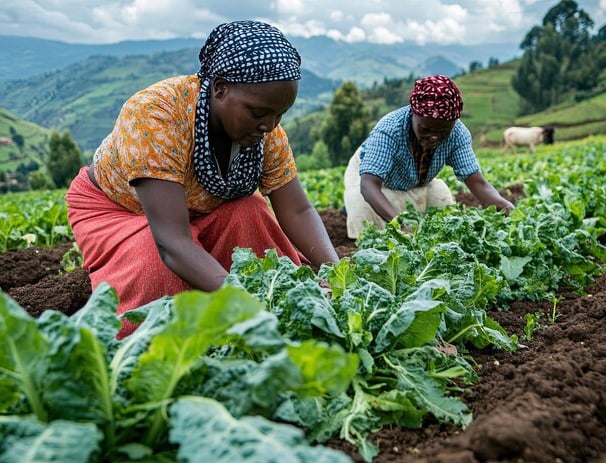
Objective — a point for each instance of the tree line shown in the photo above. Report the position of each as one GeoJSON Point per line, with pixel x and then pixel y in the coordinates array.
{"type": "Point", "coordinates": [561, 59]}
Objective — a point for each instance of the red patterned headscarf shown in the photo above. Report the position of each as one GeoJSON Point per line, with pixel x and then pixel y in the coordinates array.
{"type": "Point", "coordinates": [436, 97]}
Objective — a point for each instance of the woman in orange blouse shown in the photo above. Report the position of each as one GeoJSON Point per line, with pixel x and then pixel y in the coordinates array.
{"type": "Point", "coordinates": [173, 188]}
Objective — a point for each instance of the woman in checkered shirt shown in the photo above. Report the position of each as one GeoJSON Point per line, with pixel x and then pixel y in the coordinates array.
{"type": "Point", "coordinates": [398, 162]}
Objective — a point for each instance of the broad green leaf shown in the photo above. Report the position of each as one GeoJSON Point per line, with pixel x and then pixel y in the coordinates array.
{"type": "Point", "coordinates": [308, 369]}
{"type": "Point", "coordinates": [205, 431]}
{"type": "Point", "coordinates": [429, 395]}
{"type": "Point", "coordinates": [309, 307]}
{"type": "Point", "coordinates": [398, 408]}
{"type": "Point", "coordinates": [415, 323]}
{"type": "Point", "coordinates": [26, 440]}
{"type": "Point", "coordinates": [152, 317]}
{"type": "Point", "coordinates": [341, 277]}
{"type": "Point", "coordinates": [199, 321]}
{"type": "Point", "coordinates": [22, 358]}
{"type": "Point", "coordinates": [512, 267]}
{"type": "Point", "coordinates": [99, 315]}
{"type": "Point", "coordinates": [259, 333]}
{"type": "Point", "coordinates": [324, 369]}
{"type": "Point", "coordinates": [76, 383]}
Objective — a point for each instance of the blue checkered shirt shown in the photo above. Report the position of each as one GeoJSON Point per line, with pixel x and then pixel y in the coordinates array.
{"type": "Point", "coordinates": [386, 152]}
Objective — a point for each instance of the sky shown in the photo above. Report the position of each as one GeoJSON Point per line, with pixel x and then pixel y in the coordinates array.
{"type": "Point", "coordinates": [422, 22]}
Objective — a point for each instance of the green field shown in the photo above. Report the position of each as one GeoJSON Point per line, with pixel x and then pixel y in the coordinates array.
{"type": "Point", "coordinates": [273, 359]}
{"type": "Point", "coordinates": [43, 214]}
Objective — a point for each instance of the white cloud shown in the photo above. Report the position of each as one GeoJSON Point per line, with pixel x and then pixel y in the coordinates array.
{"type": "Point", "coordinates": [355, 34]}
{"type": "Point", "coordinates": [382, 21]}
{"type": "Point", "coordinates": [290, 7]}
{"type": "Point", "coordinates": [337, 15]}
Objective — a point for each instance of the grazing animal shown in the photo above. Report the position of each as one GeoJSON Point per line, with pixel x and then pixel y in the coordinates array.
{"type": "Point", "coordinates": [523, 136]}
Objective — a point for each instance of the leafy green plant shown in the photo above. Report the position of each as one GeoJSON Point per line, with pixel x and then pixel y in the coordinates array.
{"type": "Point", "coordinates": [533, 323]}
{"type": "Point", "coordinates": [68, 379]}
{"type": "Point", "coordinates": [393, 309]}
{"type": "Point", "coordinates": [72, 259]}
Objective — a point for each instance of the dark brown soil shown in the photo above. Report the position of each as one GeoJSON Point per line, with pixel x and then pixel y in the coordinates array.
{"type": "Point", "coordinates": [544, 403]}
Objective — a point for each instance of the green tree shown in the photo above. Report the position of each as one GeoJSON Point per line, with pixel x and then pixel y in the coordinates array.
{"type": "Point", "coordinates": [558, 59]}
{"type": "Point", "coordinates": [17, 138]}
{"type": "Point", "coordinates": [64, 159]}
{"type": "Point", "coordinates": [318, 159]}
{"type": "Point", "coordinates": [38, 180]}
{"type": "Point", "coordinates": [493, 62]}
{"type": "Point", "coordinates": [475, 66]}
{"type": "Point", "coordinates": [346, 125]}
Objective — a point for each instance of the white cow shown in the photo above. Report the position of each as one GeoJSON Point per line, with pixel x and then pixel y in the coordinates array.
{"type": "Point", "coordinates": [528, 136]}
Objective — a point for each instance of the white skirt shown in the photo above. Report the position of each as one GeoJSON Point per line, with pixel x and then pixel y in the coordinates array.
{"type": "Point", "coordinates": [435, 194]}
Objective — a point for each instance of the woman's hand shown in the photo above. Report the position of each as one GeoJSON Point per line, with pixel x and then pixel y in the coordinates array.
{"type": "Point", "coordinates": [486, 193]}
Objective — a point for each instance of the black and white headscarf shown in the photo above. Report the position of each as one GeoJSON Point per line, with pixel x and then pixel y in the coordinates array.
{"type": "Point", "coordinates": [240, 52]}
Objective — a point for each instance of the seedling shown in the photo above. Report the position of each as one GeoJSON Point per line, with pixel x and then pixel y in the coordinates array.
{"type": "Point", "coordinates": [533, 323]}
{"type": "Point", "coordinates": [554, 315]}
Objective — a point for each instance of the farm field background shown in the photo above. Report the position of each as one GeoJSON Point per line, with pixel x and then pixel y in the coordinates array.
{"type": "Point", "coordinates": [521, 376]}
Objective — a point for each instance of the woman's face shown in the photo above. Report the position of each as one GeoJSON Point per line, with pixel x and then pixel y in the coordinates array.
{"type": "Point", "coordinates": [431, 132]}
{"type": "Point", "coordinates": [246, 112]}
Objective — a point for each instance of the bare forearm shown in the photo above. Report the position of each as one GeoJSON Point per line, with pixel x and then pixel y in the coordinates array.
{"type": "Point", "coordinates": [165, 207]}
{"type": "Point", "coordinates": [193, 264]}
{"type": "Point", "coordinates": [379, 203]}
{"type": "Point", "coordinates": [302, 224]}
{"type": "Point", "coordinates": [308, 234]}
{"type": "Point", "coordinates": [486, 193]}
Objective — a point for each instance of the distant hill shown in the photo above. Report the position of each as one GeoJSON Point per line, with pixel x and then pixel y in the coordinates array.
{"type": "Point", "coordinates": [86, 107]}
{"type": "Point", "coordinates": [85, 97]}
{"type": "Point", "coordinates": [24, 57]}
{"type": "Point", "coordinates": [365, 63]}
{"type": "Point", "coordinates": [21, 142]}
{"type": "Point", "coordinates": [361, 62]}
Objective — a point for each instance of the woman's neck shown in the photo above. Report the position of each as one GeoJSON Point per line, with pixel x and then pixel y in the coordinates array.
{"type": "Point", "coordinates": [220, 145]}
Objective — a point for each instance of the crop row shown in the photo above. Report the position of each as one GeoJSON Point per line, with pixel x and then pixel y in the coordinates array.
{"type": "Point", "coordinates": [239, 373]}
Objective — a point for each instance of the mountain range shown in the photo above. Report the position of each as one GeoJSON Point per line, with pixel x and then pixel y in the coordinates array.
{"type": "Point", "coordinates": [362, 62]}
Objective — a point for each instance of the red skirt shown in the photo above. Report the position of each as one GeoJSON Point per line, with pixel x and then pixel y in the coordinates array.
{"type": "Point", "coordinates": [117, 245]}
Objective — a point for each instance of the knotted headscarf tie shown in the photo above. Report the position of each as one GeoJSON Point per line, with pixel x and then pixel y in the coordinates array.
{"type": "Point", "coordinates": [436, 97]}
{"type": "Point", "coordinates": [239, 52]}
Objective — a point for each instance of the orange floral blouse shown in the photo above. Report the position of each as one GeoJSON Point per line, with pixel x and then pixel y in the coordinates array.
{"type": "Point", "coordinates": [153, 137]}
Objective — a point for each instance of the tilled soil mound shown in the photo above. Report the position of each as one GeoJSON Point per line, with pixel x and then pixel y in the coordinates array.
{"type": "Point", "coordinates": [544, 403]}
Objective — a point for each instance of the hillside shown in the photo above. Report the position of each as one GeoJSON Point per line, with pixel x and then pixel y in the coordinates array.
{"type": "Point", "coordinates": [21, 143]}
{"type": "Point", "coordinates": [491, 105]}
{"type": "Point", "coordinates": [86, 96]}
{"type": "Point", "coordinates": [29, 56]}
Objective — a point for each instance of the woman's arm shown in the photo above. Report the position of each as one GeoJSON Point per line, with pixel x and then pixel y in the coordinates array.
{"type": "Point", "coordinates": [166, 211]}
{"type": "Point", "coordinates": [370, 187]}
{"type": "Point", "coordinates": [302, 224]}
{"type": "Point", "coordinates": [486, 193]}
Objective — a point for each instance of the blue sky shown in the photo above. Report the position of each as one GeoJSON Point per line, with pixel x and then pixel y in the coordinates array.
{"type": "Point", "coordinates": [422, 22]}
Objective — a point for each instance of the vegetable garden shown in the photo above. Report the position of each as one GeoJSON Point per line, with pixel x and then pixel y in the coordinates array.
{"type": "Point", "coordinates": [478, 337]}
